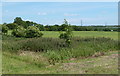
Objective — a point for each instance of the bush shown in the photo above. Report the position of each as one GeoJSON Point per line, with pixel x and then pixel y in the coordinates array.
{"type": "Point", "coordinates": [68, 33]}
{"type": "Point", "coordinates": [33, 31]}
{"type": "Point", "coordinates": [64, 36]}
{"type": "Point", "coordinates": [19, 32]}
{"type": "Point", "coordinates": [4, 29]}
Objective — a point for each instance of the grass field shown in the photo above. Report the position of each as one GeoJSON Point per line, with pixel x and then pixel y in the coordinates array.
{"type": "Point", "coordinates": [55, 34]}
{"type": "Point", "coordinates": [30, 62]}
{"type": "Point", "coordinates": [113, 35]}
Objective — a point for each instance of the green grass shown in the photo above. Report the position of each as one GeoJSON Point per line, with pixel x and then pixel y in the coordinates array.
{"type": "Point", "coordinates": [55, 34]}
{"type": "Point", "coordinates": [58, 50]}
{"type": "Point", "coordinates": [0, 55]}
{"type": "Point", "coordinates": [13, 63]}
{"type": "Point", "coordinates": [19, 56]}
{"type": "Point", "coordinates": [24, 64]}
{"type": "Point", "coordinates": [113, 35]}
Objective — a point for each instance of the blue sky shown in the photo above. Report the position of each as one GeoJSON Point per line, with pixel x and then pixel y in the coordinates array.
{"type": "Point", "coordinates": [55, 12]}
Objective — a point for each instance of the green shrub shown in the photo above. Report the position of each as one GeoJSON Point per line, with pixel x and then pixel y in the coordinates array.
{"type": "Point", "coordinates": [19, 32]}
{"type": "Point", "coordinates": [4, 29]}
{"type": "Point", "coordinates": [33, 31]}
{"type": "Point", "coordinates": [68, 33]}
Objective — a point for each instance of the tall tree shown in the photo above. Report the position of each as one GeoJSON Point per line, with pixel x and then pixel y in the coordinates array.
{"type": "Point", "coordinates": [18, 20]}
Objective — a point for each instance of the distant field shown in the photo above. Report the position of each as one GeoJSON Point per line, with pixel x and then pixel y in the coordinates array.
{"type": "Point", "coordinates": [113, 35]}
{"type": "Point", "coordinates": [55, 34]}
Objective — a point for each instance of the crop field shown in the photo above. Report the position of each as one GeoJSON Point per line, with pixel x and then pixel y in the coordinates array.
{"type": "Point", "coordinates": [88, 51]}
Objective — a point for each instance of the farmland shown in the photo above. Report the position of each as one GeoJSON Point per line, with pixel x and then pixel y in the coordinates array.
{"type": "Point", "coordinates": [92, 48]}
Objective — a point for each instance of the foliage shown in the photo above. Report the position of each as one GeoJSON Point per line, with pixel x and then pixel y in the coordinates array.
{"type": "Point", "coordinates": [68, 33]}
{"type": "Point", "coordinates": [20, 22]}
{"type": "Point", "coordinates": [82, 48]}
{"type": "Point", "coordinates": [25, 24]}
{"type": "Point", "coordinates": [33, 31]}
{"type": "Point", "coordinates": [4, 29]}
{"type": "Point", "coordinates": [19, 32]}
{"type": "Point", "coordinates": [41, 27]}
{"type": "Point", "coordinates": [12, 26]}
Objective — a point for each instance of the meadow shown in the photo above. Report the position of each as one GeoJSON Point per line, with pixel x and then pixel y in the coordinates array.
{"type": "Point", "coordinates": [55, 34]}
{"type": "Point", "coordinates": [45, 55]}
{"type": "Point", "coordinates": [109, 34]}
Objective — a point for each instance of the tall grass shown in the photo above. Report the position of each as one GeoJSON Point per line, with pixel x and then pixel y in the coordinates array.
{"type": "Point", "coordinates": [83, 47]}
{"type": "Point", "coordinates": [56, 50]}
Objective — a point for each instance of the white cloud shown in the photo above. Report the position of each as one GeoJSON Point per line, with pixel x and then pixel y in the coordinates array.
{"type": "Point", "coordinates": [28, 20]}
{"type": "Point", "coordinates": [42, 13]}
{"type": "Point", "coordinates": [67, 14]}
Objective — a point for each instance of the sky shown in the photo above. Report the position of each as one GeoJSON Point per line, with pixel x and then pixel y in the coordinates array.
{"type": "Point", "coordinates": [60, 0]}
{"type": "Point", "coordinates": [49, 13]}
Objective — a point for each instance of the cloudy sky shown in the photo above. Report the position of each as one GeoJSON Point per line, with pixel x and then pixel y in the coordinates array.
{"type": "Point", "coordinates": [55, 12]}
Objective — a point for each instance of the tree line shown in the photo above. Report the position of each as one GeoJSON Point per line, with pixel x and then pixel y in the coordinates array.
{"type": "Point", "coordinates": [21, 24]}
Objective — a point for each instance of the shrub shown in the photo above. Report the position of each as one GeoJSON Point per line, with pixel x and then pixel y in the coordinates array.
{"type": "Point", "coordinates": [33, 31]}
{"type": "Point", "coordinates": [68, 33]}
{"type": "Point", "coordinates": [4, 29]}
{"type": "Point", "coordinates": [19, 32]}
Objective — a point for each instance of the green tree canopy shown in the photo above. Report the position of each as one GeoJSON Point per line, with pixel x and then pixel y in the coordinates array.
{"type": "Point", "coordinates": [33, 31]}
{"type": "Point", "coordinates": [4, 29]}
{"type": "Point", "coordinates": [12, 26]}
{"type": "Point", "coordinates": [19, 32]}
